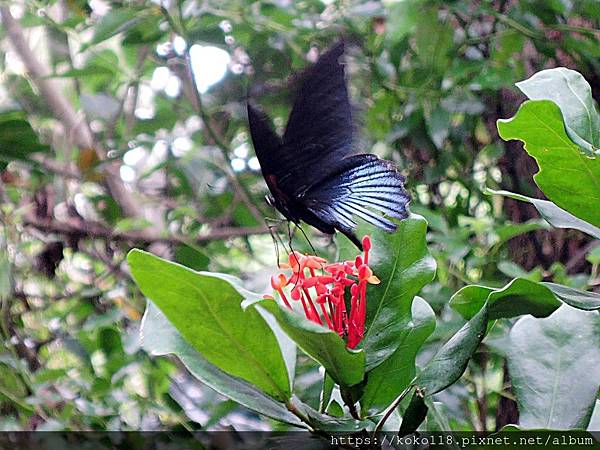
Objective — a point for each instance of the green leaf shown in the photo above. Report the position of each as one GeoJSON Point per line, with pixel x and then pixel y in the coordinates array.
{"type": "Point", "coordinates": [345, 366]}
{"type": "Point", "coordinates": [192, 256]}
{"type": "Point", "coordinates": [17, 138]}
{"type": "Point", "coordinates": [575, 297]}
{"type": "Point", "coordinates": [438, 126]}
{"type": "Point", "coordinates": [326, 391]}
{"type": "Point", "coordinates": [510, 230]}
{"type": "Point", "coordinates": [555, 216]}
{"type": "Point", "coordinates": [415, 414]}
{"type": "Point", "coordinates": [451, 360]}
{"type": "Point", "coordinates": [404, 265]}
{"type": "Point", "coordinates": [573, 95]}
{"type": "Point", "coordinates": [160, 337]}
{"type": "Point", "coordinates": [567, 177]}
{"type": "Point", "coordinates": [521, 296]}
{"type": "Point", "coordinates": [206, 310]}
{"type": "Point", "coordinates": [112, 23]}
{"type": "Point", "coordinates": [547, 359]}
{"type": "Point", "coordinates": [594, 255]}
{"type": "Point", "coordinates": [388, 380]}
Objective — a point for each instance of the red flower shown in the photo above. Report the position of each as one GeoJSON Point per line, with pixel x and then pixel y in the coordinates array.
{"type": "Point", "coordinates": [323, 297]}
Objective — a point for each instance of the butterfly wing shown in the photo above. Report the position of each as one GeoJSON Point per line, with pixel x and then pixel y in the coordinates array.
{"type": "Point", "coordinates": [267, 144]}
{"type": "Point", "coordinates": [309, 171]}
{"type": "Point", "coordinates": [362, 184]}
{"type": "Point", "coordinates": [319, 131]}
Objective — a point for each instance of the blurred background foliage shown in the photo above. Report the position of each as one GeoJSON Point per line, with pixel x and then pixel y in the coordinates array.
{"type": "Point", "coordinates": [122, 124]}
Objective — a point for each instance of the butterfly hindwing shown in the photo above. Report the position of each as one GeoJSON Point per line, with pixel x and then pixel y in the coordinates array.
{"type": "Point", "coordinates": [362, 184]}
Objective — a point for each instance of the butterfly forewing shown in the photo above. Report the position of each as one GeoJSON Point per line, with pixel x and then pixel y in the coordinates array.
{"type": "Point", "coordinates": [319, 131]}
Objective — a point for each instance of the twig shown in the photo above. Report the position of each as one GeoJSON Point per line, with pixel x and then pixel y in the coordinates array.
{"type": "Point", "coordinates": [580, 255]}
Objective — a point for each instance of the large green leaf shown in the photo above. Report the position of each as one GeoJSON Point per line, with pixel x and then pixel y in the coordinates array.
{"type": "Point", "coordinates": [547, 359]}
{"type": "Point", "coordinates": [433, 41]}
{"type": "Point", "coordinates": [404, 265]}
{"type": "Point", "coordinates": [386, 381]}
{"type": "Point", "coordinates": [521, 296]}
{"type": "Point", "coordinates": [567, 177]}
{"type": "Point", "coordinates": [555, 216]}
{"type": "Point", "coordinates": [451, 360]}
{"type": "Point", "coordinates": [206, 310]}
{"type": "Point", "coordinates": [573, 95]}
{"type": "Point", "coordinates": [346, 367]}
{"type": "Point", "coordinates": [160, 337]}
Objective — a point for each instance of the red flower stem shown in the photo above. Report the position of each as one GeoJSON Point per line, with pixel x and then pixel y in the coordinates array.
{"type": "Point", "coordinates": [284, 298]}
{"type": "Point", "coordinates": [363, 309]}
{"type": "Point", "coordinates": [312, 305]}
{"type": "Point", "coordinates": [305, 308]}
{"type": "Point", "coordinates": [329, 324]}
{"type": "Point", "coordinates": [332, 314]}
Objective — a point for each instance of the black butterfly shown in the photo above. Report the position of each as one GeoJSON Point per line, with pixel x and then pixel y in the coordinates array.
{"type": "Point", "coordinates": [310, 172]}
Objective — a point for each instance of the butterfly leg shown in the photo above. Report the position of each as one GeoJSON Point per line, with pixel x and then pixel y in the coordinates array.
{"type": "Point", "coordinates": [273, 226]}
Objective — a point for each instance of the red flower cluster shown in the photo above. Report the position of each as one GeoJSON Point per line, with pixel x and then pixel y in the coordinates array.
{"type": "Point", "coordinates": [323, 296]}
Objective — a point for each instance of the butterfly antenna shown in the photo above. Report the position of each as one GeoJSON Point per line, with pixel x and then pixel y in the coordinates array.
{"type": "Point", "coordinates": [307, 239]}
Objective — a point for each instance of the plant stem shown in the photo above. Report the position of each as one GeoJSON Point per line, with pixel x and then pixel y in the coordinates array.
{"type": "Point", "coordinates": [391, 408]}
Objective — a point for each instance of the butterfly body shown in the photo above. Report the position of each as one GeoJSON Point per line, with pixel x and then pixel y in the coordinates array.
{"type": "Point", "coordinates": [310, 171]}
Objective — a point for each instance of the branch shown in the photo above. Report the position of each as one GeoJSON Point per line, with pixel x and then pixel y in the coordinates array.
{"type": "Point", "coordinates": [75, 125]}
{"type": "Point", "coordinates": [78, 228]}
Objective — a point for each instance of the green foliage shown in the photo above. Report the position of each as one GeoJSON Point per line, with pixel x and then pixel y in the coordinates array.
{"type": "Point", "coordinates": [386, 381]}
{"type": "Point", "coordinates": [544, 358]}
{"type": "Point", "coordinates": [169, 341]}
{"type": "Point", "coordinates": [573, 95]}
{"type": "Point", "coordinates": [539, 124]}
{"type": "Point", "coordinates": [450, 361]}
{"type": "Point", "coordinates": [237, 341]}
{"type": "Point", "coordinates": [18, 140]}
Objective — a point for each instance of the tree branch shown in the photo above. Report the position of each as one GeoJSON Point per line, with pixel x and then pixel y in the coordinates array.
{"type": "Point", "coordinates": [78, 228]}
